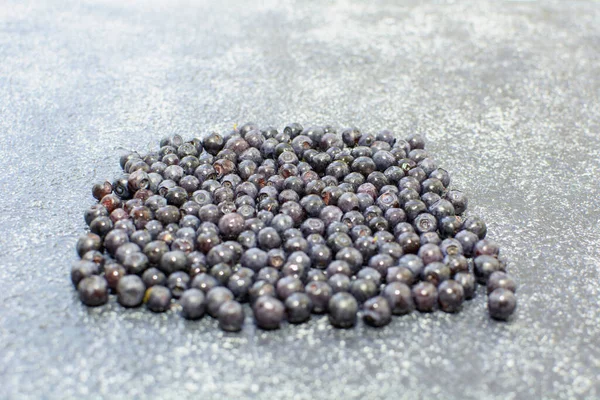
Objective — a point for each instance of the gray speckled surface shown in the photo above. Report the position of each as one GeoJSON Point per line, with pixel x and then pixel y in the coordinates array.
{"type": "Point", "coordinates": [506, 92]}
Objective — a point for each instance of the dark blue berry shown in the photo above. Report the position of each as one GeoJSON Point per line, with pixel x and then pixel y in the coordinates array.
{"type": "Point", "coordinates": [93, 291]}
{"type": "Point", "coordinates": [363, 289]}
{"type": "Point", "coordinates": [501, 304]}
{"type": "Point", "coordinates": [343, 309]}
{"type": "Point", "coordinates": [377, 312]}
{"type": "Point", "coordinates": [130, 291]}
{"type": "Point", "coordinates": [399, 297]}
{"type": "Point", "coordinates": [425, 296]}
{"type": "Point", "coordinates": [484, 266]}
{"type": "Point", "coordinates": [435, 273]}
{"type": "Point", "coordinates": [500, 279]}
{"type": "Point", "coordinates": [231, 316]}
{"type": "Point", "coordinates": [268, 312]}
{"type": "Point", "coordinates": [298, 308]}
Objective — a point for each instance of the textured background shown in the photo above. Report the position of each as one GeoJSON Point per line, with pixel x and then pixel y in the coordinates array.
{"type": "Point", "coordinates": [506, 93]}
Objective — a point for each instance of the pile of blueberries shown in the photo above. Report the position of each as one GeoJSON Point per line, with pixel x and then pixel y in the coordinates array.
{"type": "Point", "coordinates": [295, 222]}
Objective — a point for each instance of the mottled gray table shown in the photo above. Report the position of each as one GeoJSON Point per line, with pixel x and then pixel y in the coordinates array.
{"type": "Point", "coordinates": [506, 93]}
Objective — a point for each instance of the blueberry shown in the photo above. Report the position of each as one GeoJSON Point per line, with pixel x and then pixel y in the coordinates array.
{"type": "Point", "coordinates": [409, 241]}
{"type": "Point", "coordinates": [351, 136]}
{"type": "Point", "coordinates": [458, 200]}
{"type": "Point", "coordinates": [254, 259]}
{"type": "Point", "coordinates": [83, 269]}
{"type": "Point", "coordinates": [399, 298]}
{"type": "Point", "coordinates": [400, 274]}
{"type": "Point", "coordinates": [370, 273]}
{"type": "Point", "coordinates": [261, 288]}
{"type": "Point", "coordinates": [268, 274]}
{"type": "Point", "coordinates": [486, 247]}
{"type": "Point", "coordinates": [315, 275]}
{"type": "Point", "coordinates": [430, 237]}
{"type": "Point", "coordinates": [288, 285]}
{"type": "Point", "coordinates": [468, 282]}
{"type": "Point", "coordinates": [339, 283]}
{"type": "Point", "coordinates": [114, 239]}
{"type": "Point", "coordinates": [395, 215]}
{"type": "Point", "coordinates": [240, 282]}
{"type": "Point", "coordinates": [416, 141]}
{"type": "Point", "coordinates": [352, 256]}
{"type": "Point", "coordinates": [451, 247]}
{"type": "Point", "coordinates": [193, 303]}
{"type": "Point", "coordinates": [418, 173]}
{"type": "Point", "coordinates": [484, 266]}
{"type": "Point", "coordinates": [141, 238]}
{"type": "Point", "coordinates": [93, 291]}
{"type": "Point", "coordinates": [312, 225]}
{"type": "Point", "coordinates": [360, 231]}
{"type": "Point", "coordinates": [456, 263]}
{"type": "Point", "coordinates": [231, 316]}
{"type": "Point", "coordinates": [88, 242]}
{"type": "Point", "coordinates": [268, 312]}
{"type": "Point", "coordinates": [475, 225]}
{"type": "Point", "coordinates": [348, 202]}
{"type": "Point", "coordinates": [343, 309]}
{"type": "Point", "coordinates": [413, 262]}
{"type": "Point", "coordinates": [450, 296]}
{"type": "Point", "coordinates": [222, 272]}
{"type": "Point", "coordinates": [339, 241]}
{"type": "Point", "coordinates": [435, 273]}
{"type": "Point", "coordinates": [429, 166]}
{"type": "Point", "coordinates": [126, 225]}
{"type": "Point", "coordinates": [413, 208]}
{"type": "Point", "coordinates": [501, 304]}
{"type": "Point", "coordinates": [167, 214]}
{"type": "Point", "coordinates": [383, 160]}
{"type": "Point", "coordinates": [441, 208]}
{"type": "Point", "coordinates": [367, 245]}
{"type": "Point", "coordinates": [410, 182]}
{"type": "Point", "coordinates": [204, 282]}
{"type": "Point", "coordinates": [377, 312]}
{"type": "Point", "coordinates": [130, 291]}
{"type": "Point", "coordinates": [276, 258]}
{"type": "Point", "coordinates": [282, 222]}
{"type": "Point", "coordinates": [153, 276]}
{"type": "Point", "coordinates": [387, 201]}
{"type": "Point", "coordinates": [231, 225]}
{"type": "Point", "coordinates": [178, 282]}
{"type": "Point", "coordinates": [434, 185]}
{"type": "Point", "coordinates": [330, 214]}
{"type": "Point", "coordinates": [298, 308]}
{"type": "Point", "coordinates": [425, 296]}
{"type": "Point", "coordinates": [320, 255]}
{"type": "Point", "coordinates": [338, 267]}
{"type": "Point", "coordinates": [363, 289]}
{"type": "Point", "coordinates": [172, 261]}
{"type": "Point", "coordinates": [215, 298]}
{"type": "Point", "coordinates": [125, 250]}
{"type": "Point", "coordinates": [424, 223]}
{"type": "Point", "coordinates": [364, 200]}
{"type": "Point", "coordinates": [407, 194]}
{"type": "Point", "coordinates": [467, 240]}
{"type": "Point", "coordinates": [500, 279]}
{"type": "Point", "coordinates": [220, 254]}
{"type": "Point", "coordinates": [113, 273]}
{"type": "Point", "coordinates": [381, 263]}
{"type": "Point", "coordinates": [430, 198]}
{"type": "Point", "coordinates": [135, 263]}
{"type": "Point", "coordinates": [417, 155]}
{"type": "Point", "coordinates": [430, 253]}
{"type": "Point", "coordinates": [268, 238]}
